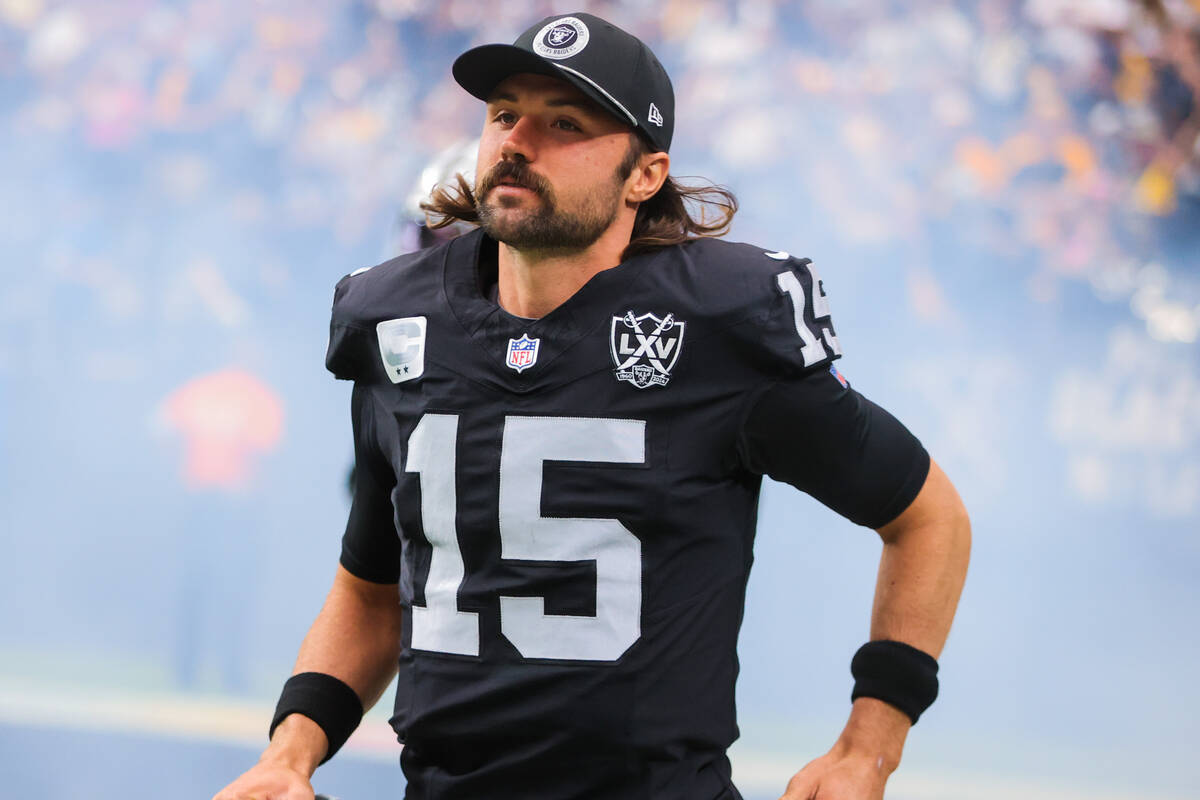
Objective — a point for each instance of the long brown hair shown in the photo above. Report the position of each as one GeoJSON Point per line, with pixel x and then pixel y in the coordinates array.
{"type": "Point", "coordinates": [677, 213]}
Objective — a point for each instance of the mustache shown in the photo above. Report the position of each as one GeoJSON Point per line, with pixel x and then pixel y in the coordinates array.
{"type": "Point", "coordinates": [512, 172]}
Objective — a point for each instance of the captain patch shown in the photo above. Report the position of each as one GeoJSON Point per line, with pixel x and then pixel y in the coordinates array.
{"type": "Point", "coordinates": [402, 347]}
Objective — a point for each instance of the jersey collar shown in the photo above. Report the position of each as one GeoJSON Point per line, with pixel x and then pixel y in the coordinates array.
{"type": "Point", "coordinates": [470, 267]}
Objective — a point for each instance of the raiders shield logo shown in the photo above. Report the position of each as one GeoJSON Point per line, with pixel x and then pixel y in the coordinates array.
{"type": "Point", "coordinates": [562, 38]}
{"type": "Point", "coordinates": [645, 348]}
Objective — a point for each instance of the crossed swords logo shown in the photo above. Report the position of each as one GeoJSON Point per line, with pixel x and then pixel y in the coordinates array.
{"type": "Point", "coordinates": [648, 348]}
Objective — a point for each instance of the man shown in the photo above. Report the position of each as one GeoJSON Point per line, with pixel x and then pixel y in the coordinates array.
{"type": "Point", "coordinates": [561, 423]}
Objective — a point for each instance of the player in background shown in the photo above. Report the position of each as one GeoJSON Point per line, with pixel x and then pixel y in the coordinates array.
{"type": "Point", "coordinates": [561, 423]}
{"type": "Point", "coordinates": [412, 231]}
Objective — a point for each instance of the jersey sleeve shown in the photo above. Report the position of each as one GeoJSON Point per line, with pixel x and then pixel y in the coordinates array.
{"type": "Point", "coordinates": [370, 546]}
{"type": "Point", "coordinates": [349, 355]}
{"type": "Point", "coordinates": [823, 437]}
{"type": "Point", "coordinates": [794, 331]}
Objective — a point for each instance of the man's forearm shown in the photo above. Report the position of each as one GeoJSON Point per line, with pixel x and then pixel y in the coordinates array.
{"type": "Point", "coordinates": [921, 575]}
{"type": "Point", "coordinates": [356, 636]}
{"type": "Point", "coordinates": [356, 639]}
{"type": "Point", "coordinates": [923, 567]}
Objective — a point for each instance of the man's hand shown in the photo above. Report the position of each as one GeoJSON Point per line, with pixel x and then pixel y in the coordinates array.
{"type": "Point", "coordinates": [839, 777]}
{"type": "Point", "coordinates": [859, 764]}
{"type": "Point", "coordinates": [268, 781]}
{"type": "Point", "coordinates": [283, 772]}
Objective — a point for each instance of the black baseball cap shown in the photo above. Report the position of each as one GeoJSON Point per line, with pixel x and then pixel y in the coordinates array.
{"type": "Point", "coordinates": [612, 67]}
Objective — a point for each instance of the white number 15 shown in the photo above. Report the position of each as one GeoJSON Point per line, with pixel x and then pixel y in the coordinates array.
{"type": "Point", "coordinates": [812, 351]}
{"type": "Point", "coordinates": [525, 534]}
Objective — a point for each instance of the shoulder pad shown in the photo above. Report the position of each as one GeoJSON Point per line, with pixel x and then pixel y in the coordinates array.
{"type": "Point", "coordinates": [775, 304]}
{"type": "Point", "coordinates": [364, 298]}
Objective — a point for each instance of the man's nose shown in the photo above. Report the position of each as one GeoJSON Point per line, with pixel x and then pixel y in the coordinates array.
{"type": "Point", "coordinates": [521, 141]}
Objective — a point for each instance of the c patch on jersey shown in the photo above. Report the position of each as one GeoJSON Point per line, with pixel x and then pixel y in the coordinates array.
{"type": "Point", "coordinates": [523, 352]}
{"type": "Point", "coordinates": [645, 348]}
{"type": "Point", "coordinates": [402, 347]}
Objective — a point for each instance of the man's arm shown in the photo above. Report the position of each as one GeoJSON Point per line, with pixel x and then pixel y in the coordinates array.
{"type": "Point", "coordinates": [355, 638]}
{"type": "Point", "coordinates": [921, 575]}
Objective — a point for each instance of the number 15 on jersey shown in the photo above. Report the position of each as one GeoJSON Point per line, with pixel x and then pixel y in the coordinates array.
{"type": "Point", "coordinates": [528, 442]}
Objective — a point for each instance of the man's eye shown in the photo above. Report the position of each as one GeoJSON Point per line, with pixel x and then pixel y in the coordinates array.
{"type": "Point", "coordinates": [566, 125]}
{"type": "Point", "coordinates": [506, 117]}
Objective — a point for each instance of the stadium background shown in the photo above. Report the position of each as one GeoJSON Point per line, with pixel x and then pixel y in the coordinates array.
{"type": "Point", "coordinates": [1002, 197]}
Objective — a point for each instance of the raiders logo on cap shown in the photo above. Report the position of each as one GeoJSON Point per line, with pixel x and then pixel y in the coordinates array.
{"type": "Point", "coordinates": [612, 67]}
{"type": "Point", "coordinates": [561, 39]}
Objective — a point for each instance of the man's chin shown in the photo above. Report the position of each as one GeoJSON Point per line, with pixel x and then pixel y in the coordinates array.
{"type": "Point", "coordinates": [507, 218]}
{"type": "Point", "coordinates": [513, 236]}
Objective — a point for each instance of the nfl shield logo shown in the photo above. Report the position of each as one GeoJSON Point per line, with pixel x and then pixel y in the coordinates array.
{"type": "Point", "coordinates": [523, 352]}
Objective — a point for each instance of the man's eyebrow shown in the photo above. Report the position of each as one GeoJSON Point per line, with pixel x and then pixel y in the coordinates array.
{"type": "Point", "coordinates": [586, 106]}
{"type": "Point", "coordinates": [581, 103]}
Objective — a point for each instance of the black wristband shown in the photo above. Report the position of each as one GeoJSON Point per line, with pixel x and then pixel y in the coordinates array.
{"type": "Point", "coordinates": [325, 700]}
{"type": "Point", "coordinates": [897, 674]}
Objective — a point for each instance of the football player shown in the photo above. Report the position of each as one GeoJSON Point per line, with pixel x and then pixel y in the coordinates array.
{"type": "Point", "coordinates": [561, 423]}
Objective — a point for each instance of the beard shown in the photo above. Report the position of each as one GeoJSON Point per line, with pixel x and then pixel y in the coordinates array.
{"type": "Point", "coordinates": [546, 225]}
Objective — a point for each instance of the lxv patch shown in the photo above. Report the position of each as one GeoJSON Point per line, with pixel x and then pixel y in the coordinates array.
{"type": "Point", "coordinates": [645, 348]}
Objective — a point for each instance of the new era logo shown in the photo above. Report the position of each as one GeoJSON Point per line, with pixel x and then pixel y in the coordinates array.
{"type": "Point", "coordinates": [655, 116]}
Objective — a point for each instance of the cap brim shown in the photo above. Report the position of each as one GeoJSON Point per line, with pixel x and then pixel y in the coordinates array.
{"type": "Point", "coordinates": [481, 69]}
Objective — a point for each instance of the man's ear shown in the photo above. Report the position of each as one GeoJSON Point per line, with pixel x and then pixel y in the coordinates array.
{"type": "Point", "coordinates": [648, 176]}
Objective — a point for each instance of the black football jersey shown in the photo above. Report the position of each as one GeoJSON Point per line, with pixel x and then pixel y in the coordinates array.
{"type": "Point", "coordinates": [568, 504]}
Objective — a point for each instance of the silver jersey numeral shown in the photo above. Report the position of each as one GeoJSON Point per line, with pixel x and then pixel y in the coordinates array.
{"type": "Point", "coordinates": [440, 625]}
{"type": "Point", "coordinates": [525, 535]}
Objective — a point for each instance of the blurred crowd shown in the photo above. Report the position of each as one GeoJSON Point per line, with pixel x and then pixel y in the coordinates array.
{"type": "Point", "coordinates": [1058, 135]}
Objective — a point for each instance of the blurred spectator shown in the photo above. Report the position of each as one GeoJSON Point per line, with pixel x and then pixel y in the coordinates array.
{"type": "Point", "coordinates": [227, 419]}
